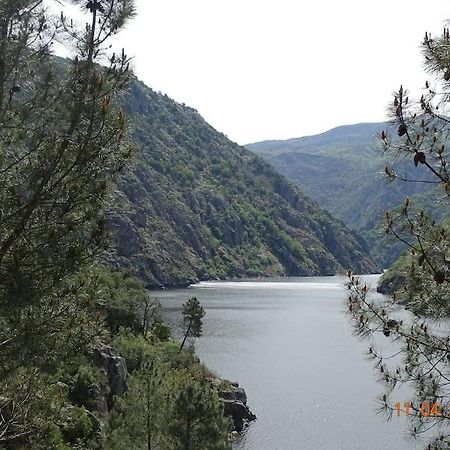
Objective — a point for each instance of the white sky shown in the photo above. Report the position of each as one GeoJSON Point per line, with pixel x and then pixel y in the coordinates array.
{"type": "Point", "coordinates": [266, 69]}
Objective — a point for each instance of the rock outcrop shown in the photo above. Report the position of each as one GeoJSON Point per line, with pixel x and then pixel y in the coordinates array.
{"type": "Point", "coordinates": [116, 371]}
{"type": "Point", "coordinates": [234, 401]}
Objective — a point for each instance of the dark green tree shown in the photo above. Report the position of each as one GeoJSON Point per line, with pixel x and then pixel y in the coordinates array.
{"type": "Point", "coordinates": [140, 418]}
{"type": "Point", "coordinates": [197, 419]}
{"type": "Point", "coordinates": [419, 130]}
{"type": "Point", "coordinates": [169, 406]}
{"type": "Point", "coordinates": [193, 313]}
{"type": "Point", "coordinates": [62, 140]}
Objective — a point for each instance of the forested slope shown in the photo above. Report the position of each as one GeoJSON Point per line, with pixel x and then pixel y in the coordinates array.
{"type": "Point", "coordinates": [197, 206]}
{"type": "Point", "coordinates": [343, 171]}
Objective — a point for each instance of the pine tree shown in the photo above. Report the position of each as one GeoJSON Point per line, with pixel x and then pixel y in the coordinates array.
{"type": "Point", "coordinates": [62, 140]}
{"type": "Point", "coordinates": [193, 313]}
{"type": "Point", "coordinates": [197, 419]}
{"type": "Point", "coordinates": [141, 418]}
{"type": "Point", "coordinates": [168, 407]}
{"type": "Point", "coordinates": [419, 130]}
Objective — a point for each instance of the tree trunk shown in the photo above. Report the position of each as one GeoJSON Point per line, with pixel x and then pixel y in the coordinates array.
{"type": "Point", "coordinates": [187, 444]}
{"type": "Point", "coordinates": [149, 434]}
{"type": "Point", "coordinates": [185, 336]}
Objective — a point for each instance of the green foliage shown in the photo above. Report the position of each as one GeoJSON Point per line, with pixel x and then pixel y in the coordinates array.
{"type": "Point", "coordinates": [120, 299]}
{"type": "Point", "coordinates": [422, 274]}
{"type": "Point", "coordinates": [80, 382]}
{"type": "Point", "coordinates": [421, 135]}
{"type": "Point", "coordinates": [135, 349]}
{"type": "Point", "coordinates": [38, 415]}
{"type": "Point", "coordinates": [394, 278]}
{"type": "Point", "coordinates": [183, 174]}
{"type": "Point", "coordinates": [143, 412]}
{"type": "Point", "coordinates": [197, 421]}
{"type": "Point", "coordinates": [193, 313]}
{"type": "Point", "coordinates": [162, 331]}
{"type": "Point", "coordinates": [62, 142]}
{"type": "Point", "coordinates": [48, 332]}
{"type": "Point", "coordinates": [77, 427]}
{"type": "Point", "coordinates": [55, 174]}
{"type": "Point", "coordinates": [162, 394]}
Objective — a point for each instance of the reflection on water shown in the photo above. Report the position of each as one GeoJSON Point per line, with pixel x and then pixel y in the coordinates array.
{"type": "Point", "coordinates": [288, 343]}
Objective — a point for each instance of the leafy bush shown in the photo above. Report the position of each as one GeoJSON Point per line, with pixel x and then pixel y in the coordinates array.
{"type": "Point", "coordinates": [77, 427]}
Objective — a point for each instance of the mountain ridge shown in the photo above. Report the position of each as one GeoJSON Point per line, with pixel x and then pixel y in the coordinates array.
{"type": "Point", "coordinates": [198, 206]}
{"type": "Point", "coordinates": [377, 127]}
{"type": "Point", "coordinates": [342, 170]}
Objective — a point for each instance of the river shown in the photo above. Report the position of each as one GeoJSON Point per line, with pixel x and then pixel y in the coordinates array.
{"type": "Point", "coordinates": [289, 344]}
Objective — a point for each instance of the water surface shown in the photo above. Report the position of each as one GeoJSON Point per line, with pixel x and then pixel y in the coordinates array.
{"type": "Point", "coordinates": [289, 344]}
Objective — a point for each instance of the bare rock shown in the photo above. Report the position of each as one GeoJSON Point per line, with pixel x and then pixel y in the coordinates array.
{"type": "Point", "coordinates": [115, 368]}
{"type": "Point", "coordinates": [234, 401]}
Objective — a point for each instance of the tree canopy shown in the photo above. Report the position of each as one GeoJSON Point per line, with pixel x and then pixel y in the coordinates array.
{"type": "Point", "coordinates": [193, 313]}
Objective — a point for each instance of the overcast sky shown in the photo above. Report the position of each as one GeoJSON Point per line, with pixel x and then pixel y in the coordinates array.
{"type": "Point", "coordinates": [276, 69]}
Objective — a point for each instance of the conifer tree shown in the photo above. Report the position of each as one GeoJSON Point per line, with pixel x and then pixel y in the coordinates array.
{"type": "Point", "coordinates": [62, 140]}
{"type": "Point", "coordinates": [141, 419]}
{"type": "Point", "coordinates": [193, 313]}
{"type": "Point", "coordinates": [197, 419]}
{"type": "Point", "coordinates": [419, 130]}
{"type": "Point", "coordinates": [168, 408]}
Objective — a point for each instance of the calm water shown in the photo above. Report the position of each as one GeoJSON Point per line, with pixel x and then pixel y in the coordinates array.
{"type": "Point", "coordinates": [289, 344]}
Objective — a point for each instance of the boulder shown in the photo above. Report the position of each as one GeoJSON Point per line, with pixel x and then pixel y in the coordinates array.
{"type": "Point", "coordinates": [99, 399]}
{"type": "Point", "coordinates": [237, 394]}
{"type": "Point", "coordinates": [115, 368]}
{"type": "Point", "coordinates": [234, 401]}
{"type": "Point", "coordinates": [239, 413]}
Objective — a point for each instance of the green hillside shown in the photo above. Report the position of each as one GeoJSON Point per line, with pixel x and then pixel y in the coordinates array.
{"type": "Point", "coordinates": [342, 170]}
{"type": "Point", "coordinates": [197, 206]}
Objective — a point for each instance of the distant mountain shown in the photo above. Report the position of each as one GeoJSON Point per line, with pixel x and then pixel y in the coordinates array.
{"type": "Point", "coordinates": [197, 206]}
{"type": "Point", "coordinates": [342, 170]}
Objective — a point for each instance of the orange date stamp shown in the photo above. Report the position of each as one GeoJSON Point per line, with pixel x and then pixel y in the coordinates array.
{"type": "Point", "coordinates": [425, 409]}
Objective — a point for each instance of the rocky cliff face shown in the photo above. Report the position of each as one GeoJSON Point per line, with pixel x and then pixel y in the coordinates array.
{"type": "Point", "coordinates": [115, 368]}
{"type": "Point", "coordinates": [197, 206]}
